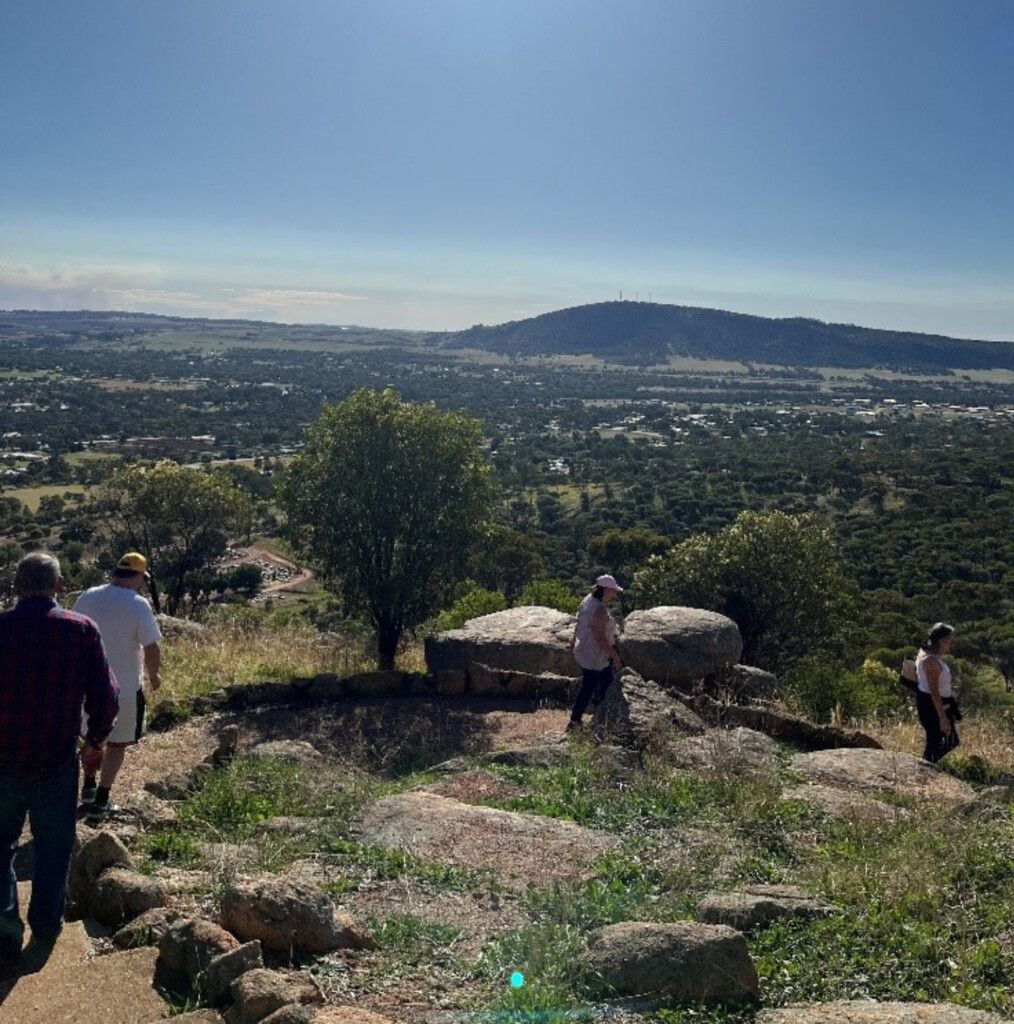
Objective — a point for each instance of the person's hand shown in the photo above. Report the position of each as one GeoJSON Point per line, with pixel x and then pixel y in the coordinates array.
{"type": "Point", "coordinates": [91, 759]}
{"type": "Point", "coordinates": [154, 681]}
{"type": "Point", "coordinates": [945, 725]}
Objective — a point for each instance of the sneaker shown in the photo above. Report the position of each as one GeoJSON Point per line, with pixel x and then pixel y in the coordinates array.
{"type": "Point", "coordinates": [88, 788]}
{"type": "Point", "coordinates": [97, 813]}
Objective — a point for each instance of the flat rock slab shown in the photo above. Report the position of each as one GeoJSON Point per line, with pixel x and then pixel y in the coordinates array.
{"type": "Point", "coordinates": [868, 1012]}
{"type": "Point", "coordinates": [883, 771]}
{"type": "Point", "coordinates": [73, 987]}
{"type": "Point", "coordinates": [520, 849]}
{"type": "Point", "coordinates": [528, 639]}
{"type": "Point", "coordinates": [847, 804]}
{"type": "Point", "coordinates": [755, 906]}
{"type": "Point", "coordinates": [742, 753]}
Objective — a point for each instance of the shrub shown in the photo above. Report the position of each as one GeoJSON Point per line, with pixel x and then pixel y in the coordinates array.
{"type": "Point", "coordinates": [473, 603]}
{"type": "Point", "coordinates": [821, 687]}
{"type": "Point", "coordinates": [550, 594]}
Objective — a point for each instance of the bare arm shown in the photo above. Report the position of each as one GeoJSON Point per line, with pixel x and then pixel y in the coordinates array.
{"type": "Point", "coordinates": [152, 664]}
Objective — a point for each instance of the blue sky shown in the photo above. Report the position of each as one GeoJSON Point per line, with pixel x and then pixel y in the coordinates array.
{"type": "Point", "coordinates": [437, 163]}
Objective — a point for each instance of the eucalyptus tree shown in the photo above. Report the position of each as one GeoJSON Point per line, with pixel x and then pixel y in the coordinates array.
{"type": "Point", "coordinates": [385, 501]}
{"type": "Point", "coordinates": [181, 519]}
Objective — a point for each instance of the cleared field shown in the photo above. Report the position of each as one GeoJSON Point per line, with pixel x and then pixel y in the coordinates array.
{"type": "Point", "coordinates": [31, 496]}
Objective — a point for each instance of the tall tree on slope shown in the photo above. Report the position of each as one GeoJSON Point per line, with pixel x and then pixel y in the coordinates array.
{"type": "Point", "coordinates": [385, 501]}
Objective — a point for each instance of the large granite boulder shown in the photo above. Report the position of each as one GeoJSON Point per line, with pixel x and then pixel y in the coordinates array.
{"type": "Point", "coordinates": [529, 639]}
{"type": "Point", "coordinates": [677, 646]}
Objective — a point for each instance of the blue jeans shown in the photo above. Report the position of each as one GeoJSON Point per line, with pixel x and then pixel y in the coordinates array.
{"type": "Point", "coordinates": [50, 805]}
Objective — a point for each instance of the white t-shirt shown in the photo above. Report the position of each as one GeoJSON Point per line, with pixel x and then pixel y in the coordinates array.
{"type": "Point", "coordinates": [126, 624]}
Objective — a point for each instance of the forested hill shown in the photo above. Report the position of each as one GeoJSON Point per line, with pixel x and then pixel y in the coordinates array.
{"type": "Point", "coordinates": [647, 332]}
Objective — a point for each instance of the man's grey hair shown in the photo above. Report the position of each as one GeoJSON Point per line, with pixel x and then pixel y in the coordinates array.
{"type": "Point", "coordinates": [36, 574]}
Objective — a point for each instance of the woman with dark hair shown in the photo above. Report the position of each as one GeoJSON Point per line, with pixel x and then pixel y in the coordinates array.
{"type": "Point", "coordinates": [594, 647]}
{"type": "Point", "coordinates": [934, 698]}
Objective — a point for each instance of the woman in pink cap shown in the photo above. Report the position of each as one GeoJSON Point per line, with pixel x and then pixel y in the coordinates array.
{"type": "Point", "coordinates": [594, 647]}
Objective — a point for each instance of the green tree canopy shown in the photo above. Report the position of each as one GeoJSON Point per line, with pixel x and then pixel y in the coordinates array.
{"type": "Point", "coordinates": [777, 576]}
{"type": "Point", "coordinates": [506, 560]}
{"type": "Point", "coordinates": [385, 502]}
{"type": "Point", "coordinates": [622, 550]}
{"type": "Point", "coordinates": [180, 518]}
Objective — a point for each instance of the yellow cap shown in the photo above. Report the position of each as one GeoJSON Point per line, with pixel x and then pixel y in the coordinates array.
{"type": "Point", "coordinates": [134, 561]}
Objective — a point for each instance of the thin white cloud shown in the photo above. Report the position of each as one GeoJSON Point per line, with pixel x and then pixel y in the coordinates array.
{"type": "Point", "coordinates": [295, 295]}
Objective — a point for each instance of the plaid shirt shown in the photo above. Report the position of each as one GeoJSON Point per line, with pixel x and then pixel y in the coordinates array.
{"type": "Point", "coordinates": [51, 663]}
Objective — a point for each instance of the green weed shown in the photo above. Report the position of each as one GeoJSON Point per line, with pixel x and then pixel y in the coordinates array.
{"type": "Point", "coordinates": [415, 939]}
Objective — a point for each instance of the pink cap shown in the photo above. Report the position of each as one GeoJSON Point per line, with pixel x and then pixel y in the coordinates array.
{"type": "Point", "coordinates": [608, 583]}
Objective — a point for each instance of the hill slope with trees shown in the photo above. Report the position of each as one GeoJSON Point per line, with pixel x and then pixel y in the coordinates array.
{"type": "Point", "coordinates": [646, 332]}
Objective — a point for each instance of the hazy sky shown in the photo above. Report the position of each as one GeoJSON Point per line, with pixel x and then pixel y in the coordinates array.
{"type": "Point", "coordinates": [437, 163]}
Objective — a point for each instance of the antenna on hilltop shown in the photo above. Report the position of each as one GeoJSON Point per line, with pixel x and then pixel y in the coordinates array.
{"type": "Point", "coordinates": [621, 295]}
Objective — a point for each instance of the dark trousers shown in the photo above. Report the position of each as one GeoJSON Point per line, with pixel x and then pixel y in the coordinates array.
{"type": "Point", "coordinates": [594, 683]}
{"type": "Point", "coordinates": [50, 804]}
{"type": "Point", "coordinates": [938, 742]}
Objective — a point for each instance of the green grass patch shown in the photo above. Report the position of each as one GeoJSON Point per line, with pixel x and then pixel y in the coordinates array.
{"type": "Point", "coordinates": [234, 801]}
{"type": "Point", "coordinates": [363, 863]}
{"type": "Point", "coordinates": [415, 939]}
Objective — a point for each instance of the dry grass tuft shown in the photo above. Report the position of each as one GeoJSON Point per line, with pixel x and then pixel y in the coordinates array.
{"type": "Point", "coordinates": [233, 653]}
{"type": "Point", "coordinates": [988, 737]}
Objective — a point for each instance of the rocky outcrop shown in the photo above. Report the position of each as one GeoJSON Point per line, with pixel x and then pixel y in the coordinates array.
{"type": "Point", "coordinates": [529, 639]}
{"type": "Point", "coordinates": [436, 828]}
{"type": "Point", "coordinates": [748, 683]}
{"type": "Point", "coordinates": [119, 895]}
{"type": "Point", "coordinates": [683, 962]}
{"type": "Point", "coordinates": [737, 753]}
{"type": "Point", "coordinates": [216, 979]}
{"type": "Point", "coordinates": [286, 918]}
{"type": "Point", "coordinates": [846, 804]}
{"type": "Point", "coordinates": [676, 647]}
{"type": "Point", "coordinates": [187, 948]}
{"type": "Point", "coordinates": [148, 928]}
{"type": "Point", "coordinates": [789, 728]}
{"type": "Point", "coordinates": [260, 993]}
{"type": "Point", "coordinates": [103, 883]}
{"type": "Point", "coordinates": [637, 712]}
{"type": "Point", "coordinates": [882, 771]}
{"type": "Point", "coordinates": [485, 681]}
{"type": "Point", "coordinates": [756, 906]}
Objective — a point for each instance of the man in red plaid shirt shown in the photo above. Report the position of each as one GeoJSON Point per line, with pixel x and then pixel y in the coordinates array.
{"type": "Point", "coordinates": [51, 662]}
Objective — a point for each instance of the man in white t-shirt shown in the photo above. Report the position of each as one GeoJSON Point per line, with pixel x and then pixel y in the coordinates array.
{"type": "Point", "coordinates": [131, 638]}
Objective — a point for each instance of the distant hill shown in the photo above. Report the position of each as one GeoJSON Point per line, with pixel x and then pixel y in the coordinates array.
{"type": "Point", "coordinates": [647, 332]}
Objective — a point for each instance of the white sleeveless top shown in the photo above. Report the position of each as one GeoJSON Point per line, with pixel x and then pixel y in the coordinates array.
{"type": "Point", "coordinates": [587, 653]}
{"type": "Point", "coordinates": [944, 679]}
